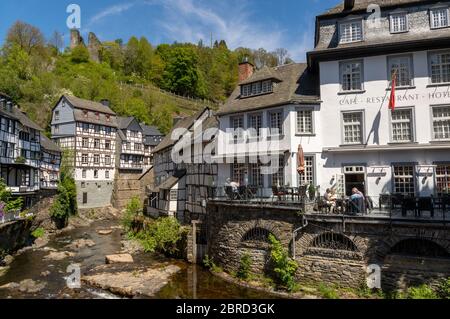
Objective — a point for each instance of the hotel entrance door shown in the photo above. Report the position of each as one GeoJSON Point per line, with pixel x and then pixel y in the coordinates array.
{"type": "Point", "coordinates": [355, 176]}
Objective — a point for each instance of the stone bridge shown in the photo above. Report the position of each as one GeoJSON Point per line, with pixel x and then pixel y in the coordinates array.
{"type": "Point", "coordinates": [332, 249]}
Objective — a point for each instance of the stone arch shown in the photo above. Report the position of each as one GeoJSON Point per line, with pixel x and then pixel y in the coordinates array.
{"type": "Point", "coordinates": [256, 234]}
{"type": "Point", "coordinates": [419, 247]}
{"type": "Point", "coordinates": [333, 240]}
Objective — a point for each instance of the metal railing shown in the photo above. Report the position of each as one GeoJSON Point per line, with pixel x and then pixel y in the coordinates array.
{"type": "Point", "coordinates": [12, 216]}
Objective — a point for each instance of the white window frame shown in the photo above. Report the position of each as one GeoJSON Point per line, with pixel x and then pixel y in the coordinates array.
{"type": "Point", "coordinates": [441, 67]}
{"type": "Point", "coordinates": [399, 15]}
{"type": "Point", "coordinates": [238, 135]}
{"type": "Point", "coordinates": [442, 178]}
{"type": "Point", "coordinates": [438, 119]}
{"type": "Point", "coordinates": [254, 124]}
{"type": "Point", "coordinates": [397, 121]}
{"type": "Point", "coordinates": [270, 123]}
{"type": "Point", "coordinates": [301, 121]}
{"type": "Point", "coordinates": [397, 59]}
{"type": "Point", "coordinates": [361, 124]}
{"type": "Point", "coordinates": [404, 176]}
{"type": "Point", "coordinates": [173, 195]}
{"type": "Point", "coordinates": [342, 65]}
{"type": "Point", "coordinates": [352, 34]}
{"type": "Point", "coordinates": [440, 24]}
{"type": "Point", "coordinates": [83, 157]}
{"type": "Point", "coordinates": [106, 174]}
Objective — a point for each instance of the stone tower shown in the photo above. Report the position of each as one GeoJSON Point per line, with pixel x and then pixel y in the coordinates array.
{"type": "Point", "coordinates": [75, 38]}
{"type": "Point", "coordinates": [94, 46]}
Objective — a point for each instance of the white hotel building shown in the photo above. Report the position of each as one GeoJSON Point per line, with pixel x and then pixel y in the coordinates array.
{"type": "Point", "coordinates": [349, 135]}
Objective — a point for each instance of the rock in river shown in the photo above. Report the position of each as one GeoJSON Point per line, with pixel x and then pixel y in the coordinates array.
{"type": "Point", "coordinates": [58, 255]}
{"type": "Point", "coordinates": [119, 258]}
{"type": "Point", "coordinates": [131, 282]}
{"type": "Point", "coordinates": [26, 286]}
{"type": "Point", "coordinates": [104, 231]}
{"type": "Point", "coordinates": [81, 243]}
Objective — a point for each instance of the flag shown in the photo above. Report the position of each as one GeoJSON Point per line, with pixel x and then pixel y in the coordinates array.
{"type": "Point", "coordinates": [392, 98]}
{"type": "Point", "coordinates": [300, 160]}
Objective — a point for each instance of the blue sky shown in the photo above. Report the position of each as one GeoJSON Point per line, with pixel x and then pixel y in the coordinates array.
{"type": "Point", "coordinates": [251, 23]}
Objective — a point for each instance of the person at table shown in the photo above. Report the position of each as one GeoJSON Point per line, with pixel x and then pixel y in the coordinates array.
{"type": "Point", "coordinates": [330, 198]}
{"type": "Point", "coordinates": [234, 185]}
{"type": "Point", "coordinates": [357, 198]}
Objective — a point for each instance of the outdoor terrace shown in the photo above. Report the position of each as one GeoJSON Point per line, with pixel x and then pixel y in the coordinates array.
{"type": "Point", "coordinates": [385, 206]}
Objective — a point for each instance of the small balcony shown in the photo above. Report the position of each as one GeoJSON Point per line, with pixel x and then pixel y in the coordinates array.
{"type": "Point", "coordinates": [18, 190]}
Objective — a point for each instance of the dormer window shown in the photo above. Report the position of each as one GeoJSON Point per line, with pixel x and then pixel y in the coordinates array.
{"type": "Point", "coordinates": [108, 118]}
{"type": "Point", "coordinates": [85, 113]}
{"type": "Point", "coordinates": [439, 18]}
{"type": "Point", "coordinates": [399, 23]}
{"type": "Point", "coordinates": [257, 88]}
{"type": "Point", "coordinates": [97, 115]}
{"type": "Point", "coordinates": [350, 31]}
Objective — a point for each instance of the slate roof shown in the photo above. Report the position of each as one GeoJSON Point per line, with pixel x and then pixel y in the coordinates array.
{"type": "Point", "coordinates": [24, 119]}
{"type": "Point", "coordinates": [48, 144]}
{"type": "Point", "coordinates": [124, 122]}
{"type": "Point", "coordinates": [88, 105]}
{"type": "Point", "coordinates": [296, 85]}
{"type": "Point", "coordinates": [150, 130]}
{"type": "Point", "coordinates": [265, 73]}
{"type": "Point", "coordinates": [361, 5]}
{"type": "Point", "coordinates": [186, 123]}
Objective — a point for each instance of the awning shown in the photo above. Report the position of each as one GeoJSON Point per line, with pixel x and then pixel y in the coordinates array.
{"type": "Point", "coordinates": [169, 183]}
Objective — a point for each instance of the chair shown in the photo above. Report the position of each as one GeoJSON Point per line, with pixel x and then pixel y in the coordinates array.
{"type": "Point", "coordinates": [409, 204]}
{"type": "Point", "coordinates": [323, 206]}
{"type": "Point", "coordinates": [425, 204]}
{"type": "Point", "coordinates": [396, 201]}
{"type": "Point", "coordinates": [278, 192]}
{"type": "Point", "coordinates": [232, 195]}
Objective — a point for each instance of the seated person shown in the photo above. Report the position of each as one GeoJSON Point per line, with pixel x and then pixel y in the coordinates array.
{"type": "Point", "coordinates": [330, 198]}
{"type": "Point", "coordinates": [234, 185]}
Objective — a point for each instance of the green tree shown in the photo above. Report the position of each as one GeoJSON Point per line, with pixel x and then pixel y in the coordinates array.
{"type": "Point", "coordinates": [80, 54]}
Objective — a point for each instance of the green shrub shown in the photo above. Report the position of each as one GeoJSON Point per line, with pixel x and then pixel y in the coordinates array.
{"type": "Point", "coordinates": [444, 289]}
{"type": "Point", "coordinates": [328, 292]}
{"type": "Point", "coordinates": [133, 210]}
{"type": "Point", "coordinates": [38, 232]}
{"type": "Point", "coordinates": [163, 235]}
{"type": "Point", "coordinates": [283, 266]}
{"type": "Point", "coordinates": [244, 267]}
{"type": "Point", "coordinates": [9, 203]}
{"type": "Point", "coordinates": [208, 262]}
{"type": "Point", "coordinates": [421, 292]}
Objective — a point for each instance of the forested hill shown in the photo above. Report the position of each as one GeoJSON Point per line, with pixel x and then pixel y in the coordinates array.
{"type": "Point", "coordinates": [135, 76]}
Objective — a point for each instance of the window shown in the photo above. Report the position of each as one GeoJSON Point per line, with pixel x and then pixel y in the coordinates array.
{"type": "Point", "coordinates": [85, 127]}
{"type": "Point", "coordinates": [238, 172]}
{"type": "Point", "coordinates": [257, 88]}
{"type": "Point", "coordinates": [237, 124]}
{"type": "Point", "coordinates": [255, 178]}
{"type": "Point", "coordinates": [278, 177]}
{"type": "Point", "coordinates": [402, 67]}
{"type": "Point", "coordinates": [308, 177]}
{"type": "Point", "coordinates": [108, 130]}
{"type": "Point", "coordinates": [107, 160]}
{"type": "Point", "coordinates": [96, 143]}
{"type": "Point", "coordinates": [350, 32]}
{"type": "Point", "coordinates": [97, 115]}
{"type": "Point", "coordinates": [108, 118]}
{"type": "Point", "coordinates": [97, 128]}
{"type": "Point", "coordinates": [83, 173]}
{"type": "Point", "coordinates": [95, 173]}
{"type": "Point", "coordinates": [85, 142]}
{"type": "Point", "coordinates": [83, 185]}
{"type": "Point", "coordinates": [352, 122]}
{"type": "Point", "coordinates": [128, 146]}
{"type": "Point", "coordinates": [255, 124]}
{"type": "Point", "coordinates": [399, 23]}
{"type": "Point", "coordinates": [107, 144]}
{"type": "Point", "coordinates": [351, 75]}
{"type": "Point", "coordinates": [56, 115]}
{"type": "Point", "coordinates": [401, 121]}
{"type": "Point", "coordinates": [173, 195]}
{"type": "Point", "coordinates": [96, 159]}
{"type": "Point", "coordinates": [404, 179]}
{"type": "Point", "coordinates": [84, 158]}
{"type": "Point", "coordinates": [137, 147]}
{"type": "Point", "coordinates": [85, 113]}
{"type": "Point", "coordinates": [305, 122]}
{"type": "Point", "coordinates": [85, 198]}
{"type": "Point", "coordinates": [56, 128]}
{"type": "Point", "coordinates": [276, 123]}
{"type": "Point", "coordinates": [107, 174]}
{"type": "Point", "coordinates": [441, 123]}
{"type": "Point", "coordinates": [267, 86]}
{"type": "Point", "coordinates": [440, 67]}
{"type": "Point", "coordinates": [439, 18]}
{"type": "Point", "coordinates": [443, 178]}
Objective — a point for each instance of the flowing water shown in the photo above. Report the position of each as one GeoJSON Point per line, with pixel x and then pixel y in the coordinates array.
{"type": "Point", "coordinates": [191, 282]}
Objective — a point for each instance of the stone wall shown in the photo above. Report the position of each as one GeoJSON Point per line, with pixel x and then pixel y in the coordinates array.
{"type": "Point", "coordinates": [98, 192]}
{"type": "Point", "coordinates": [14, 235]}
{"type": "Point", "coordinates": [331, 250]}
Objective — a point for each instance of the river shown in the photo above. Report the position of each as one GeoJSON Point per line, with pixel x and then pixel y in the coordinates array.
{"type": "Point", "coordinates": [191, 282]}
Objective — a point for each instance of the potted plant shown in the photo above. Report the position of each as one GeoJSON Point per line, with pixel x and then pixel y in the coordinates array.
{"type": "Point", "coordinates": [312, 192]}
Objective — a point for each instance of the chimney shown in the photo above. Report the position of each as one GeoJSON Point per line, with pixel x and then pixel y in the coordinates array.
{"type": "Point", "coordinates": [245, 70]}
{"type": "Point", "coordinates": [105, 102]}
{"type": "Point", "coordinates": [349, 4]}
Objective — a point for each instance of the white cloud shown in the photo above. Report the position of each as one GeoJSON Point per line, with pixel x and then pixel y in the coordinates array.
{"type": "Point", "coordinates": [232, 20]}
{"type": "Point", "coordinates": [110, 11]}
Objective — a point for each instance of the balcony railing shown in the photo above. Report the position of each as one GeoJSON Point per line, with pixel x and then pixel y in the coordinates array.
{"type": "Point", "coordinates": [12, 216]}
{"type": "Point", "coordinates": [23, 189]}
{"type": "Point", "coordinates": [383, 206]}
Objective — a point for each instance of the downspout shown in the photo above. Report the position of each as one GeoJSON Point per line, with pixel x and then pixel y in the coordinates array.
{"type": "Point", "coordinates": [295, 232]}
